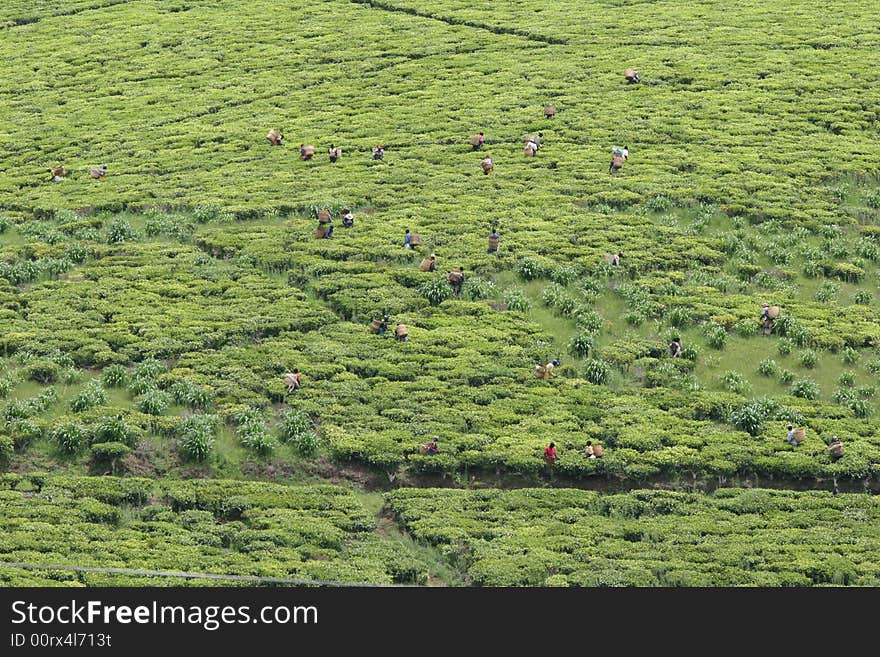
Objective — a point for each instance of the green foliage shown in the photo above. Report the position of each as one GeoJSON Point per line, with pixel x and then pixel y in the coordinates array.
{"type": "Point", "coordinates": [115, 376]}
{"type": "Point", "coordinates": [70, 437]}
{"type": "Point", "coordinates": [196, 437]}
{"type": "Point", "coordinates": [515, 299]}
{"type": "Point", "coordinates": [806, 388]}
{"type": "Point", "coordinates": [297, 429]}
{"type": "Point", "coordinates": [154, 402]}
{"type": "Point", "coordinates": [850, 356]}
{"type": "Point", "coordinates": [92, 395]}
{"type": "Point", "coordinates": [597, 371]}
{"type": "Point", "coordinates": [715, 335]}
{"type": "Point", "coordinates": [581, 345]}
{"type": "Point", "coordinates": [808, 358]}
{"type": "Point", "coordinates": [436, 290]}
{"type": "Point", "coordinates": [768, 367]}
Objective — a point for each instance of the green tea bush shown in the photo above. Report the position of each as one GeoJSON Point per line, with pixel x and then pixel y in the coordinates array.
{"type": "Point", "coordinates": [108, 455]}
{"type": "Point", "coordinates": [43, 371]}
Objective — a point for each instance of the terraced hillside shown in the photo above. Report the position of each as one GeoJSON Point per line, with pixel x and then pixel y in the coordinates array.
{"type": "Point", "coordinates": [148, 317]}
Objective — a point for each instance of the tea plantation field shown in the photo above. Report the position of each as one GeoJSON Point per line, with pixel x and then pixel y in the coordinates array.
{"type": "Point", "coordinates": [148, 317]}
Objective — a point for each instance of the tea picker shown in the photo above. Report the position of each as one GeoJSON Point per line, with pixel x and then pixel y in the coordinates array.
{"type": "Point", "coordinates": [494, 239]}
{"type": "Point", "coordinates": [477, 141]}
{"type": "Point", "coordinates": [456, 280]}
{"type": "Point", "coordinates": [618, 157]}
{"type": "Point", "coordinates": [488, 165]}
{"type": "Point", "coordinates": [293, 380]}
{"type": "Point", "coordinates": [631, 75]}
{"type": "Point", "coordinates": [275, 137]}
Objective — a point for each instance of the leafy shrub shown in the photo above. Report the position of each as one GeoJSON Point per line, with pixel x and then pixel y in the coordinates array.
{"type": "Point", "coordinates": [476, 289]}
{"type": "Point", "coordinates": [749, 417]}
{"type": "Point", "coordinates": [785, 346]}
{"type": "Point", "coordinates": [679, 317]}
{"type": "Point", "coordinates": [564, 275]}
{"type": "Point", "coordinates": [6, 386]}
{"type": "Point", "coordinates": [109, 454]}
{"type": "Point", "coordinates": [581, 345]}
{"type": "Point", "coordinates": [120, 231]}
{"type": "Point", "coordinates": [196, 437]}
{"type": "Point", "coordinates": [140, 385]}
{"type": "Point", "coordinates": [42, 371]}
{"type": "Point", "coordinates": [862, 298]}
{"type": "Point", "coordinates": [850, 356]}
{"type": "Point", "coordinates": [530, 269]}
{"type": "Point", "coordinates": [715, 335]}
{"type": "Point", "coordinates": [149, 368]}
{"type": "Point", "coordinates": [745, 328]}
{"type": "Point", "coordinates": [859, 407]}
{"type": "Point", "coordinates": [805, 388]}
{"type": "Point", "coordinates": [588, 320]}
{"type": "Point", "coordinates": [70, 437]}
{"type": "Point", "coordinates": [827, 291]}
{"type": "Point", "coordinates": [186, 393]}
{"type": "Point", "coordinates": [436, 290]}
{"type": "Point", "coordinates": [873, 366]}
{"type": "Point", "coordinates": [115, 376]}
{"type": "Point", "coordinates": [154, 402]}
{"type": "Point", "coordinates": [597, 371]}
{"type": "Point", "coordinates": [768, 367]}
{"type": "Point", "coordinates": [7, 451]}
{"type": "Point", "coordinates": [515, 299]}
{"type": "Point", "coordinates": [808, 358]}
{"type": "Point", "coordinates": [785, 376]}
{"type": "Point", "coordinates": [658, 203]}
{"type": "Point", "coordinates": [298, 430]}
{"type": "Point", "coordinates": [109, 429]}
{"type": "Point", "coordinates": [846, 379]}
{"type": "Point", "coordinates": [634, 318]}
{"type": "Point", "coordinates": [92, 395]}
{"type": "Point", "coordinates": [734, 382]}
{"type": "Point", "coordinates": [866, 392]}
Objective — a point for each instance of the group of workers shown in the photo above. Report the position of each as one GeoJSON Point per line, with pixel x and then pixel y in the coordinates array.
{"type": "Point", "coordinates": [591, 451]}
{"type": "Point", "coordinates": [796, 437]}
{"type": "Point", "coordinates": [59, 173]}
{"type": "Point", "coordinates": [307, 151]}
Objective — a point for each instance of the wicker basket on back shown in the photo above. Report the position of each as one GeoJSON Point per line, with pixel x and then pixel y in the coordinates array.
{"type": "Point", "coordinates": [598, 450]}
{"type": "Point", "coordinates": [549, 111]}
{"type": "Point", "coordinates": [773, 312]}
{"type": "Point", "coordinates": [324, 216]}
{"type": "Point", "coordinates": [800, 435]}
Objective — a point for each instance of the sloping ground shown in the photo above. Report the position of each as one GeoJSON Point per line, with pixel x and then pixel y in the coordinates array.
{"type": "Point", "coordinates": [154, 342]}
{"type": "Point", "coordinates": [205, 527]}
{"type": "Point", "coordinates": [733, 537]}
